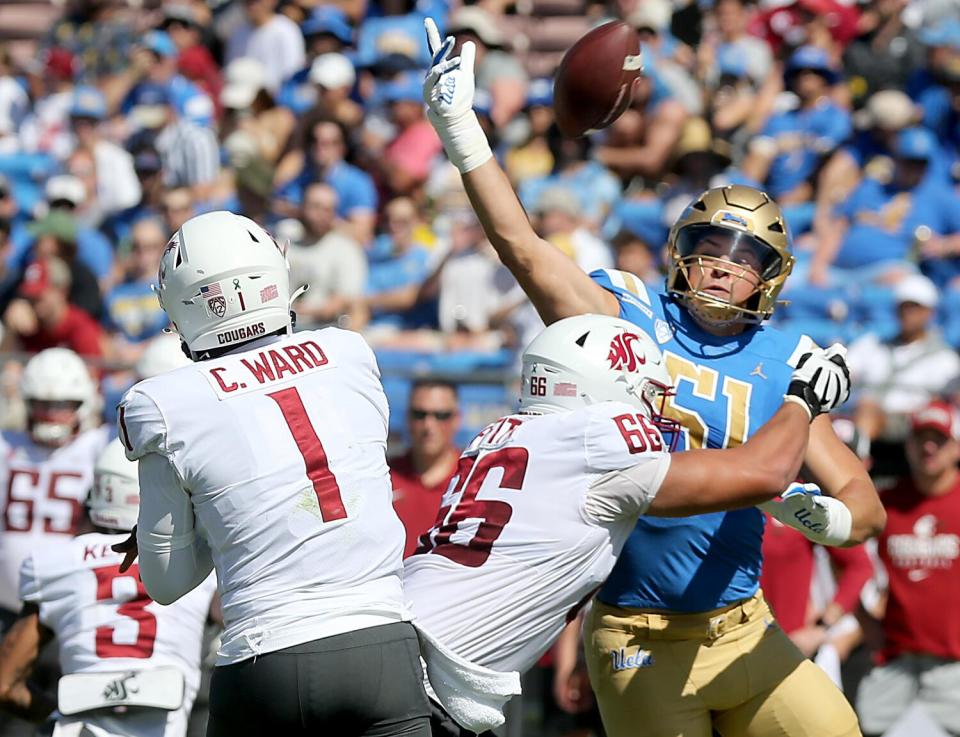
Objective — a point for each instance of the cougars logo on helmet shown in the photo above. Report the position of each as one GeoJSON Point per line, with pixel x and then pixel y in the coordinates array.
{"type": "Point", "coordinates": [623, 354]}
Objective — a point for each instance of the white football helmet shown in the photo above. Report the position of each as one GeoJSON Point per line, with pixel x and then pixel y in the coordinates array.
{"type": "Point", "coordinates": [162, 354]}
{"type": "Point", "coordinates": [58, 375]}
{"type": "Point", "coordinates": [588, 359]}
{"type": "Point", "coordinates": [224, 280]}
{"type": "Point", "coordinates": [114, 500]}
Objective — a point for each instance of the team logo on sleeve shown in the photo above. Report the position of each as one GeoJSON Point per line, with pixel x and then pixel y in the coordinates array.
{"type": "Point", "coordinates": [624, 353]}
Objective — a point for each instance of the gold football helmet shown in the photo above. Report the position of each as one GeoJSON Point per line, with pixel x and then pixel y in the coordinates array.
{"type": "Point", "coordinates": [760, 242]}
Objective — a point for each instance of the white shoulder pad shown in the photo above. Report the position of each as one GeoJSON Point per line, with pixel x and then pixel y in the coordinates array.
{"type": "Point", "coordinates": [141, 426]}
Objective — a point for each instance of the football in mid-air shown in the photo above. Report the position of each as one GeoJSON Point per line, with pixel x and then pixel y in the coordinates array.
{"type": "Point", "coordinates": [595, 80]}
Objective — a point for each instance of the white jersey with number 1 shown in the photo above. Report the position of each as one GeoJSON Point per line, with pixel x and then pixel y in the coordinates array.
{"type": "Point", "coordinates": [525, 534]}
{"type": "Point", "coordinates": [42, 491]}
{"type": "Point", "coordinates": [104, 622]}
{"type": "Point", "coordinates": [282, 450]}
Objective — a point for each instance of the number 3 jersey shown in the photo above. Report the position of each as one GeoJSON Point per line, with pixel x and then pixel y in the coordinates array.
{"type": "Point", "coordinates": [43, 491]}
{"type": "Point", "coordinates": [530, 526]}
{"type": "Point", "coordinates": [282, 451]}
{"type": "Point", "coordinates": [104, 621]}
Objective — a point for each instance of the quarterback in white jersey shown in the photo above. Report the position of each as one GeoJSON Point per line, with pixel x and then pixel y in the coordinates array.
{"type": "Point", "coordinates": [118, 649]}
{"type": "Point", "coordinates": [544, 500]}
{"type": "Point", "coordinates": [46, 472]}
{"type": "Point", "coordinates": [266, 459]}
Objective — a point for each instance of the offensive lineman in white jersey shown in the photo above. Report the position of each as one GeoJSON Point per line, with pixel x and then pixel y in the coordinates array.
{"type": "Point", "coordinates": [266, 459]}
{"type": "Point", "coordinates": [544, 500]}
{"type": "Point", "coordinates": [46, 472]}
{"type": "Point", "coordinates": [117, 647]}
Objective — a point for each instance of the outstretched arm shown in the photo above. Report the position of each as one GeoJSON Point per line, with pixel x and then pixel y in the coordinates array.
{"type": "Point", "coordinates": [703, 481]}
{"type": "Point", "coordinates": [557, 287]}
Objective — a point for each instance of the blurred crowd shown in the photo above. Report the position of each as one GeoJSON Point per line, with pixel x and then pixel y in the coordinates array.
{"type": "Point", "coordinates": [120, 121]}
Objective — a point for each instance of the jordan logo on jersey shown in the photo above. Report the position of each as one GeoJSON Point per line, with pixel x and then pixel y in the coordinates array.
{"type": "Point", "coordinates": [120, 689]}
{"type": "Point", "coordinates": [622, 661]}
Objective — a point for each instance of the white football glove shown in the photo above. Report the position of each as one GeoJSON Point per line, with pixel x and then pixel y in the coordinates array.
{"type": "Point", "coordinates": [821, 381]}
{"type": "Point", "coordinates": [821, 519]}
{"type": "Point", "coordinates": [448, 91]}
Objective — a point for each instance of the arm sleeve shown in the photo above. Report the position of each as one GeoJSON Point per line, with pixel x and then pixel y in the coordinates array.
{"type": "Point", "coordinates": [627, 494]}
{"type": "Point", "coordinates": [174, 559]}
{"type": "Point", "coordinates": [855, 570]}
{"type": "Point", "coordinates": [632, 454]}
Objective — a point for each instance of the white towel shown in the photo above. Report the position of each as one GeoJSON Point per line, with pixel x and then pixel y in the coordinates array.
{"type": "Point", "coordinates": [473, 695]}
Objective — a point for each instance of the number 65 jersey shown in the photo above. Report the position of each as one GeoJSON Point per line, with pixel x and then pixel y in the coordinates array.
{"type": "Point", "coordinates": [530, 527]}
{"type": "Point", "coordinates": [42, 491]}
{"type": "Point", "coordinates": [281, 449]}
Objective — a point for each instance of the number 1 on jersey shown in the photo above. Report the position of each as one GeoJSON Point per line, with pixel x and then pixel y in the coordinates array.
{"type": "Point", "coordinates": [325, 484]}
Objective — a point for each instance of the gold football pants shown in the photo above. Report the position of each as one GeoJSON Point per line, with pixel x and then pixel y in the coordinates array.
{"type": "Point", "coordinates": [732, 670]}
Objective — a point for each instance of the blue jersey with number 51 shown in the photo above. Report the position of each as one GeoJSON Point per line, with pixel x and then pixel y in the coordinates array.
{"type": "Point", "coordinates": [726, 388]}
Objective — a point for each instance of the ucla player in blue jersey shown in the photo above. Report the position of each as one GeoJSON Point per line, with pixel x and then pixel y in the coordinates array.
{"type": "Point", "coordinates": [684, 597]}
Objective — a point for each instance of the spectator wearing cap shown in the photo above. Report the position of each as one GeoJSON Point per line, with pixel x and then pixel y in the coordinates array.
{"type": "Point", "coordinates": [325, 152]}
{"type": "Point", "coordinates": [252, 111]}
{"type": "Point", "coordinates": [408, 158]}
{"type": "Point", "coordinates": [188, 152]}
{"type": "Point", "coordinates": [117, 187]}
{"type": "Point", "coordinates": [885, 52]}
{"type": "Point", "coordinates": [64, 194]}
{"type": "Point", "coordinates": [194, 59]}
{"type": "Point", "coordinates": [531, 158]}
{"type": "Point", "coordinates": [883, 223]}
{"type": "Point", "coordinates": [332, 264]}
{"type": "Point", "coordinates": [918, 665]}
{"type": "Point", "coordinates": [327, 71]}
{"type": "Point", "coordinates": [792, 144]}
{"type": "Point", "coordinates": [898, 375]}
{"type": "Point", "coordinates": [153, 64]}
{"type": "Point", "coordinates": [272, 39]}
{"type": "Point", "coordinates": [132, 311]}
{"type": "Point", "coordinates": [398, 267]}
{"type": "Point", "coordinates": [43, 316]}
{"type": "Point", "coordinates": [56, 236]}
{"type": "Point", "coordinates": [497, 71]}
{"type": "Point", "coordinates": [327, 30]}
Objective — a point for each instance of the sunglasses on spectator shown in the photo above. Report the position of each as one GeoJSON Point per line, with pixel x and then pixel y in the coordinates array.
{"type": "Point", "coordinates": [439, 415]}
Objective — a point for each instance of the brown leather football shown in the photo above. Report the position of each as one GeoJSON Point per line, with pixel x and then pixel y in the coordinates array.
{"type": "Point", "coordinates": [595, 81]}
